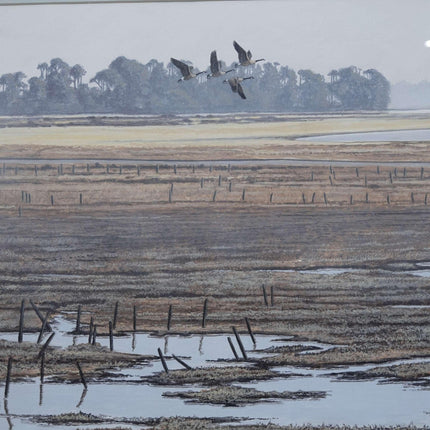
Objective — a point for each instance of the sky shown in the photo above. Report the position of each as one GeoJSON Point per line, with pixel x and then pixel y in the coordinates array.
{"type": "Point", "coordinates": [320, 35]}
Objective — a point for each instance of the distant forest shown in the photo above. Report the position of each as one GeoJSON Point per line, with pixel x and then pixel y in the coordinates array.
{"type": "Point", "coordinates": [130, 87]}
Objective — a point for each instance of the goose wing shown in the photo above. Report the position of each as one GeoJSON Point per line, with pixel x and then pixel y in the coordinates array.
{"type": "Point", "coordinates": [184, 68]}
{"type": "Point", "coordinates": [240, 91]}
{"type": "Point", "coordinates": [233, 84]}
{"type": "Point", "coordinates": [214, 62]}
{"type": "Point", "coordinates": [249, 55]}
{"type": "Point", "coordinates": [242, 53]}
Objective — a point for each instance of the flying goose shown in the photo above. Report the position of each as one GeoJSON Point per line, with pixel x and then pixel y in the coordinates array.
{"type": "Point", "coordinates": [235, 85]}
{"type": "Point", "coordinates": [216, 67]}
{"type": "Point", "coordinates": [185, 69]}
{"type": "Point", "coordinates": [245, 57]}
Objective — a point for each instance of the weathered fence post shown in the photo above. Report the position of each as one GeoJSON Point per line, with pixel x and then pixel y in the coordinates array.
{"type": "Point", "coordinates": [42, 368]}
{"type": "Point", "coordinates": [90, 330]}
{"type": "Point", "coordinates": [331, 180]}
{"type": "Point", "coordinates": [325, 198]}
{"type": "Point", "coordinates": [81, 199]}
{"type": "Point", "coordinates": [422, 173]}
{"type": "Point", "coordinates": [110, 336]}
{"type": "Point", "coordinates": [205, 311]}
{"type": "Point", "coordinates": [78, 320]}
{"type": "Point", "coordinates": [229, 187]}
{"type": "Point", "coordinates": [313, 197]}
{"type": "Point", "coordinates": [40, 316]}
{"type": "Point", "coordinates": [271, 198]}
{"type": "Point", "coordinates": [251, 334]}
{"type": "Point", "coordinates": [182, 362]}
{"type": "Point", "coordinates": [169, 317]}
{"type": "Point", "coordinates": [202, 181]}
{"type": "Point", "coordinates": [93, 342]}
{"type": "Point", "coordinates": [214, 196]}
{"type": "Point", "coordinates": [239, 341]}
{"type": "Point", "coordinates": [134, 317]}
{"type": "Point", "coordinates": [115, 315]}
{"type": "Point", "coordinates": [163, 361]}
{"type": "Point", "coordinates": [264, 295]}
{"type": "Point", "coordinates": [243, 194]}
{"type": "Point", "coordinates": [21, 322]}
{"type": "Point", "coordinates": [272, 295]}
{"type": "Point", "coordinates": [230, 342]}
{"type": "Point", "coordinates": [44, 325]}
{"type": "Point", "coordinates": [52, 200]}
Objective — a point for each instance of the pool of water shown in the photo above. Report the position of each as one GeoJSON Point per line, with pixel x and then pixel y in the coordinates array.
{"type": "Point", "coordinates": [375, 136]}
{"type": "Point", "coordinates": [128, 395]}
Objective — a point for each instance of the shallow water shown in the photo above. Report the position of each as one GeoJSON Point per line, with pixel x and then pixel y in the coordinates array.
{"type": "Point", "coordinates": [376, 136]}
{"type": "Point", "coordinates": [129, 396]}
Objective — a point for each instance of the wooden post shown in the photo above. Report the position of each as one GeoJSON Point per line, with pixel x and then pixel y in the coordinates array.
{"type": "Point", "coordinates": [228, 167]}
{"type": "Point", "coordinates": [214, 196]}
{"type": "Point", "coordinates": [265, 295]}
{"type": "Point", "coordinates": [88, 168]}
{"type": "Point", "coordinates": [272, 295]}
{"type": "Point", "coordinates": [331, 180]}
{"type": "Point", "coordinates": [107, 169]}
{"type": "Point", "coordinates": [169, 317]}
{"type": "Point", "coordinates": [157, 168]}
{"type": "Point", "coordinates": [52, 200]}
{"type": "Point", "coordinates": [412, 198]}
{"type": "Point", "coordinates": [19, 211]}
{"type": "Point", "coordinates": [93, 342]}
{"type": "Point", "coordinates": [251, 334]}
{"type": "Point", "coordinates": [78, 320]}
{"type": "Point", "coordinates": [303, 198]}
{"type": "Point", "coordinates": [271, 198]}
{"type": "Point", "coordinates": [367, 197]}
{"type": "Point", "coordinates": [182, 362]}
{"type": "Point", "coordinates": [163, 361]}
{"type": "Point", "coordinates": [395, 172]}
{"type": "Point", "coordinates": [350, 200]}
{"type": "Point", "coordinates": [40, 316]}
{"type": "Point", "coordinates": [331, 170]}
{"type": "Point", "coordinates": [205, 311]}
{"type": "Point", "coordinates": [422, 173]}
{"type": "Point", "coordinates": [230, 342]}
{"type": "Point", "coordinates": [21, 322]}
{"type": "Point", "coordinates": [134, 318]}
{"type": "Point", "coordinates": [81, 199]}
{"type": "Point", "coordinates": [90, 331]}
{"type": "Point", "coordinates": [313, 197]}
{"type": "Point", "coordinates": [229, 187]}
{"type": "Point", "coordinates": [425, 199]}
{"type": "Point", "coordinates": [194, 168]}
{"type": "Point", "coordinates": [325, 198]}
{"type": "Point", "coordinates": [377, 170]}
{"type": "Point", "coordinates": [312, 176]}
{"type": "Point", "coordinates": [35, 170]}
{"type": "Point", "coordinates": [404, 172]}
{"type": "Point", "coordinates": [219, 180]}
{"type": "Point", "coordinates": [8, 373]}
{"type": "Point", "coordinates": [202, 181]}
{"type": "Point", "coordinates": [110, 336]}
{"type": "Point", "coordinates": [334, 174]}
{"type": "Point", "coordinates": [138, 170]}
{"type": "Point", "coordinates": [356, 172]}
{"type": "Point", "coordinates": [174, 169]}
{"type": "Point", "coordinates": [388, 198]}
{"type": "Point", "coordinates": [243, 195]}
{"type": "Point", "coordinates": [170, 195]}
{"type": "Point", "coordinates": [45, 345]}
{"type": "Point", "coordinates": [81, 374]}
{"type": "Point", "coordinates": [365, 181]}
{"type": "Point", "coordinates": [44, 325]}
{"type": "Point", "coordinates": [391, 177]}
{"type": "Point", "coordinates": [239, 341]}
{"type": "Point", "coordinates": [115, 315]}
{"type": "Point", "coordinates": [22, 195]}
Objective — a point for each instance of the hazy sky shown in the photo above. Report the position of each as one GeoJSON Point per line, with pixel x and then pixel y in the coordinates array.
{"type": "Point", "coordinates": [317, 34]}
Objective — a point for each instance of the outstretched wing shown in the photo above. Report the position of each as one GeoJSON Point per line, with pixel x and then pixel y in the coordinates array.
{"type": "Point", "coordinates": [214, 62]}
{"type": "Point", "coordinates": [184, 68]}
{"type": "Point", "coordinates": [240, 91]}
{"type": "Point", "coordinates": [241, 52]}
{"type": "Point", "coordinates": [249, 55]}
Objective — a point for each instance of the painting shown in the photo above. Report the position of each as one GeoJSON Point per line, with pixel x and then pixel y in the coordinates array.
{"type": "Point", "coordinates": [214, 214]}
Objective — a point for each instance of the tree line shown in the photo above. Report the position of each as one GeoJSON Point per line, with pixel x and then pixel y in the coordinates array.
{"type": "Point", "coordinates": [130, 87]}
